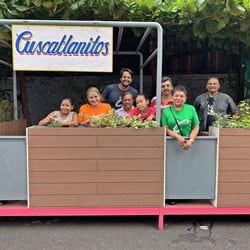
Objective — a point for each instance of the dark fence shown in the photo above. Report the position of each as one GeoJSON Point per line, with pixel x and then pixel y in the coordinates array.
{"type": "Point", "coordinates": [195, 57]}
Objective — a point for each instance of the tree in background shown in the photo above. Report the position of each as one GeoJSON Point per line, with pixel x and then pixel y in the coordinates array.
{"type": "Point", "coordinates": [223, 23]}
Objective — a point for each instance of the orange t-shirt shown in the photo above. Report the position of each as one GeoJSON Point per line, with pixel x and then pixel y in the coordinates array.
{"type": "Point", "coordinates": [86, 111]}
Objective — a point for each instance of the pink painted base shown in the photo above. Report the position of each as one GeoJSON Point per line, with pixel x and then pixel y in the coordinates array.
{"type": "Point", "coordinates": [160, 212]}
{"type": "Point", "coordinates": [204, 210]}
{"type": "Point", "coordinates": [24, 211]}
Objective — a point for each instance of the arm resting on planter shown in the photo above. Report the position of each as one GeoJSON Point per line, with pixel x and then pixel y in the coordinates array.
{"type": "Point", "coordinates": [184, 143]}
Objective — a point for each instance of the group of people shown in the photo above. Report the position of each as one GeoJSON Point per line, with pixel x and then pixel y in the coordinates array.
{"type": "Point", "coordinates": [182, 121]}
{"type": "Point", "coordinates": [121, 96]}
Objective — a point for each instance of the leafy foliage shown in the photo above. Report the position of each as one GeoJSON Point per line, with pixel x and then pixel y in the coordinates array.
{"type": "Point", "coordinates": [113, 120]}
{"type": "Point", "coordinates": [6, 111]}
{"type": "Point", "coordinates": [12, 8]}
{"type": "Point", "coordinates": [242, 120]}
{"type": "Point", "coordinates": [223, 23]}
{"type": "Point", "coordinates": [55, 124]}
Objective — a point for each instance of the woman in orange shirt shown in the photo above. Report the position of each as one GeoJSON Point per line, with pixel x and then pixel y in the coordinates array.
{"type": "Point", "coordinates": [94, 107]}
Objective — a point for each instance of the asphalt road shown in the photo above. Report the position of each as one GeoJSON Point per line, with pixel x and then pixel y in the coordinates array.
{"type": "Point", "coordinates": [115, 233]}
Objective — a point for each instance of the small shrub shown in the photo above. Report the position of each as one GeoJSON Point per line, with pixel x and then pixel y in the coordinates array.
{"type": "Point", "coordinates": [241, 120]}
{"type": "Point", "coordinates": [6, 111]}
{"type": "Point", "coordinates": [55, 124]}
{"type": "Point", "coordinates": [113, 120]}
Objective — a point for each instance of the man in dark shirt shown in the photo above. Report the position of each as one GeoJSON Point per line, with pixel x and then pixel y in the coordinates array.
{"type": "Point", "coordinates": [112, 93]}
{"type": "Point", "coordinates": [213, 101]}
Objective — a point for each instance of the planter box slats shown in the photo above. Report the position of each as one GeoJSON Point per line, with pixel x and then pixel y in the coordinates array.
{"type": "Point", "coordinates": [125, 188]}
{"type": "Point", "coordinates": [80, 131]}
{"type": "Point", "coordinates": [62, 188]}
{"type": "Point", "coordinates": [95, 188]}
{"type": "Point", "coordinates": [130, 141]}
{"type": "Point", "coordinates": [89, 141]}
{"type": "Point", "coordinates": [235, 132]}
{"type": "Point", "coordinates": [13, 128]}
{"type": "Point", "coordinates": [234, 188]}
{"type": "Point", "coordinates": [62, 165]}
{"type": "Point", "coordinates": [130, 164]}
{"type": "Point", "coordinates": [234, 176]}
{"type": "Point", "coordinates": [88, 165]}
{"type": "Point", "coordinates": [114, 200]}
{"type": "Point", "coordinates": [79, 167]}
{"type": "Point", "coordinates": [59, 141]}
{"type": "Point", "coordinates": [234, 165]}
{"type": "Point", "coordinates": [95, 176]}
{"type": "Point", "coordinates": [234, 168]}
{"type": "Point", "coordinates": [238, 141]}
{"type": "Point", "coordinates": [235, 153]}
{"type": "Point", "coordinates": [234, 200]}
{"type": "Point", "coordinates": [95, 153]}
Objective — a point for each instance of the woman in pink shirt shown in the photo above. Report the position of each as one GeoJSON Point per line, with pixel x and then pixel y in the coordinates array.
{"type": "Point", "coordinates": [142, 109]}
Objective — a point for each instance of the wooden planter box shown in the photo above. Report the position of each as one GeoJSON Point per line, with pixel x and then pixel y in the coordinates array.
{"type": "Point", "coordinates": [95, 167]}
{"type": "Point", "coordinates": [17, 127]}
{"type": "Point", "coordinates": [233, 167]}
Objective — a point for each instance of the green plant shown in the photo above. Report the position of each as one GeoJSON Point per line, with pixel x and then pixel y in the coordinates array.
{"type": "Point", "coordinates": [241, 120]}
{"type": "Point", "coordinates": [110, 120]}
{"type": "Point", "coordinates": [55, 124]}
{"type": "Point", "coordinates": [136, 122]}
{"type": "Point", "coordinates": [6, 111]}
{"type": "Point", "coordinates": [113, 120]}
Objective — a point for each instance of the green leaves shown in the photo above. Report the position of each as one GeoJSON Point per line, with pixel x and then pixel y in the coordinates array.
{"type": "Point", "coordinates": [213, 21]}
{"type": "Point", "coordinates": [242, 120]}
{"type": "Point", "coordinates": [6, 110]}
{"type": "Point", "coordinates": [12, 8]}
{"type": "Point", "coordinates": [55, 124]}
{"type": "Point", "coordinates": [236, 10]}
{"type": "Point", "coordinates": [211, 26]}
{"type": "Point", "coordinates": [37, 3]}
{"type": "Point", "coordinates": [113, 120]}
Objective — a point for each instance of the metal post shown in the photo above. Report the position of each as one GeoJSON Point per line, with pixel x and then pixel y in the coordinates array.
{"type": "Point", "coordinates": [159, 73]}
{"type": "Point", "coordinates": [15, 96]}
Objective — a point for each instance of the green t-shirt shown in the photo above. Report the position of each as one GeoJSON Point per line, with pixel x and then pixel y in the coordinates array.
{"type": "Point", "coordinates": [187, 118]}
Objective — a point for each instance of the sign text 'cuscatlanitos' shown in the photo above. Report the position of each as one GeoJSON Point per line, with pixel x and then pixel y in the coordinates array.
{"type": "Point", "coordinates": [56, 48]}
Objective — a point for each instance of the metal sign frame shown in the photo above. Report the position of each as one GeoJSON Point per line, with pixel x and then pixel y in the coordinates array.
{"type": "Point", "coordinates": [148, 26]}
